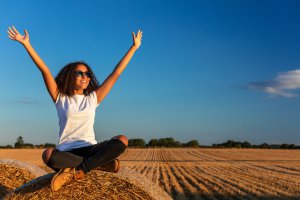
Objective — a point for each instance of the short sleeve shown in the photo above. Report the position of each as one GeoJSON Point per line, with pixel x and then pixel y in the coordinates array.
{"type": "Point", "coordinates": [57, 98]}
{"type": "Point", "coordinates": [94, 96]}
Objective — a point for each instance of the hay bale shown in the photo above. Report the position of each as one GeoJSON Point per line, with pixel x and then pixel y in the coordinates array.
{"type": "Point", "coordinates": [15, 173]}
{"type": "Point", "coordinates": [97, 184]}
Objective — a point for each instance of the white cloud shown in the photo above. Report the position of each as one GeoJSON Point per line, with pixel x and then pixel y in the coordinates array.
{"type": "Point", "coordinates": [27, 100]}
{"type": "Point", "coordinates": [282, 85]}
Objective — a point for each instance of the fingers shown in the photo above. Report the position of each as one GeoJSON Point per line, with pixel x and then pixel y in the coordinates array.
{"type": "Point", "coordinates": [12, 32]}
{"type": "Point", "coordinates": [15, 30]}
{"type": "Point", "coordinates": [140, 34]}
{"type": "Point", "coordinates": [15, 35]}
{"type": "Point", "coordinates": [26, 33]}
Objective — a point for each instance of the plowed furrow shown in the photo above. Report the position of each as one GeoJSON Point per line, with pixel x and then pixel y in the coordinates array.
{"type": "Point", "coordinates": [255, 183]}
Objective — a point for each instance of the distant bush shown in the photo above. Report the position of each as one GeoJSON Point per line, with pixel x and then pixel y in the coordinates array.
{"type": "Point", "coordinates": [192, 143]}
{"type": "Point", "coordinates": [153, 143]}
{"type": "Point", "coordinates": [164, 142]}
{"type": "Point", "coordinates": [288, 146]}
{"type": "Point", "coordinates": [233, 144]}
{"type": "Point", "coordinates": [246, 145]}
{"type": "Point", "coordinates": [49, 145]}
{"type": "Point", "coordinates": [136, 143]}
{"type": "Point", "coordinates": [6, 147]}
{"type": "Point", "coordinates": [265, 146]}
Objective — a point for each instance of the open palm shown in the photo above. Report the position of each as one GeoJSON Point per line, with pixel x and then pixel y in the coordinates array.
{"type": "Point", "coordinates": [15, 35]}
{"type": "Point", "coordinates": [137, 39]}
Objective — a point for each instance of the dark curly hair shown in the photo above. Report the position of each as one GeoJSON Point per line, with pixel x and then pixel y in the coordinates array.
{"type": "Point", "coordinates": [65, 79]}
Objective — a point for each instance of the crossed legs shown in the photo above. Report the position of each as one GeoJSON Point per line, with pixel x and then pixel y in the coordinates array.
{"type": "Point", "coordinates": [76, 163]}
{"type": "Point", "coordinates": [75, 158]}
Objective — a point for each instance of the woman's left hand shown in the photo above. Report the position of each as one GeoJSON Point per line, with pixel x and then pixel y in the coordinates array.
{"type": "Point", "coordinates": [13, 34]}
{"type": "Point", "coordinates": [137, 39]}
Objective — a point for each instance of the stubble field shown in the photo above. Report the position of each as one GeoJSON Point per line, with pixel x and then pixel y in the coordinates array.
{"type": "Point", "coordinates": [208, 173]}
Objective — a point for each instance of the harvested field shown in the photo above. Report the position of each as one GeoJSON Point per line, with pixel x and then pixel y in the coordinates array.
{"type": "Point", "coordinates": [220, 173]}
{"type": "Point", "coordinates": [217, 173]}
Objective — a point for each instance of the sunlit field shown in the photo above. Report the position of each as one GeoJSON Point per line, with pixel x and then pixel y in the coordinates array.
{"type": "Point", "coordinates": [208, 173]}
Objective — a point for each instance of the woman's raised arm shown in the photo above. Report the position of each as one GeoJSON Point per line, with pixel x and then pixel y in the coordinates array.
{"type": "Point", "coordinates": [106, 86]}
{"type": "Point", "coordinates": [13, 34]}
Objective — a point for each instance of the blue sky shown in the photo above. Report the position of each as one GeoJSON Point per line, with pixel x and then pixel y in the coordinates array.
{"type": "Point", "coordinates": [206, 70]}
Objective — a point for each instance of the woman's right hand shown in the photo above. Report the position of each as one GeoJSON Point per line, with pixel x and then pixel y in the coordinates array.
{"type": "Point", "coordinates": [13, 34]}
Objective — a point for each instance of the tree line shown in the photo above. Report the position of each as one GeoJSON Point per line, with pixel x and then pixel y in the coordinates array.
{"type": "Point", "coordinates": [171, 142]}
{"type": "Point", "coordinates": [20, 144]}
{"type": "Point", "coordinates": [237, 144]}
{"type": "Point", "coordinates": [168, 142]}
{"type": "Point", "coordinates": [161, 142]}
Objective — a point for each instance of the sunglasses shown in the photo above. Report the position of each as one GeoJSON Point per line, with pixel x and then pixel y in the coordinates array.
{"type": "Point", "coordinates": [81, 74]}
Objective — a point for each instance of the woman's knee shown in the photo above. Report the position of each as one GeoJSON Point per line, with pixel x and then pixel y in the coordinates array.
{"type": "Point", "coordinates": [122, 138]}
{"type": "Point", "coordinates": [46, 155]}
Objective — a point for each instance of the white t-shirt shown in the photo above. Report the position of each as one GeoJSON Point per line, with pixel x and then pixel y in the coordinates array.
{"type": "Point", "coordinates": [76, 121]}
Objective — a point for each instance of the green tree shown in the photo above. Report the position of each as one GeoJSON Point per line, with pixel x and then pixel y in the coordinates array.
{"type": "Point", "coordinates": [19, 142]}
{"type": "Point", "coordinates": [192, 143]}
{"type": "Point", "coordinates": [49, 145]}
{"type": "Point", "coordinates": [136, 143]}
{"type": "Point", "coordinates": [246, 144]}
{"type": "Point", "coordinates": [153, 143]}
{"type": "Point", "coordinates": [264, 146]}
{"type": "Point", "coordinates": [229, 143]}
{"type": "Point", "coordinates": [237, 145]}
{"type": "Point", "coordinates": [284, 146]}
{"type": "Point", "coordinates": [168, 142]}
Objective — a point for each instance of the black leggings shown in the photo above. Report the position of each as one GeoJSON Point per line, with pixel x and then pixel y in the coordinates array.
{"type": "Point", "coordinates": [87, 158]}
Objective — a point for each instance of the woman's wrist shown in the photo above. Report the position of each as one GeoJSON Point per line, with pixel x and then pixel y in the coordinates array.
{"type": "Point", "coordinates": [26, 44]}
{"type": "Point", "coordinates": [134, 47]}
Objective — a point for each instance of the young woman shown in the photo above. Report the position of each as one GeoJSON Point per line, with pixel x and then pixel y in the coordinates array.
{"type": "Point", "coordinates": [76, 94]}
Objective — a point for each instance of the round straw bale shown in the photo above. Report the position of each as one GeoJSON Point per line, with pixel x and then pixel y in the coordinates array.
{"type": "Point", "coordinates": [97, 184]}
{"type": "Point", "coordinates": [15, 173]}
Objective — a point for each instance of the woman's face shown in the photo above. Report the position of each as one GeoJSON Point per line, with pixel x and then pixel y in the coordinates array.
{"type": "Point", "coordinates": [82, 77]}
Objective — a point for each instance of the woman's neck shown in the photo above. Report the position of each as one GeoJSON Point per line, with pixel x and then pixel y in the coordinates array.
{"type": "Point", "coordinates": [80, 92]}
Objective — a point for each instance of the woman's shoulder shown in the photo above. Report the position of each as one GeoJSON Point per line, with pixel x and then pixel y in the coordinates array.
{"type": "Point", "coordinates": [94, 98]}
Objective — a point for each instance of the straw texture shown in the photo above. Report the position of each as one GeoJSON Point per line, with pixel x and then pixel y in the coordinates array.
{"type": "Point", "coordinates": [96, 184]}
{"type": "Point", "coordinates": [15, 173]}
